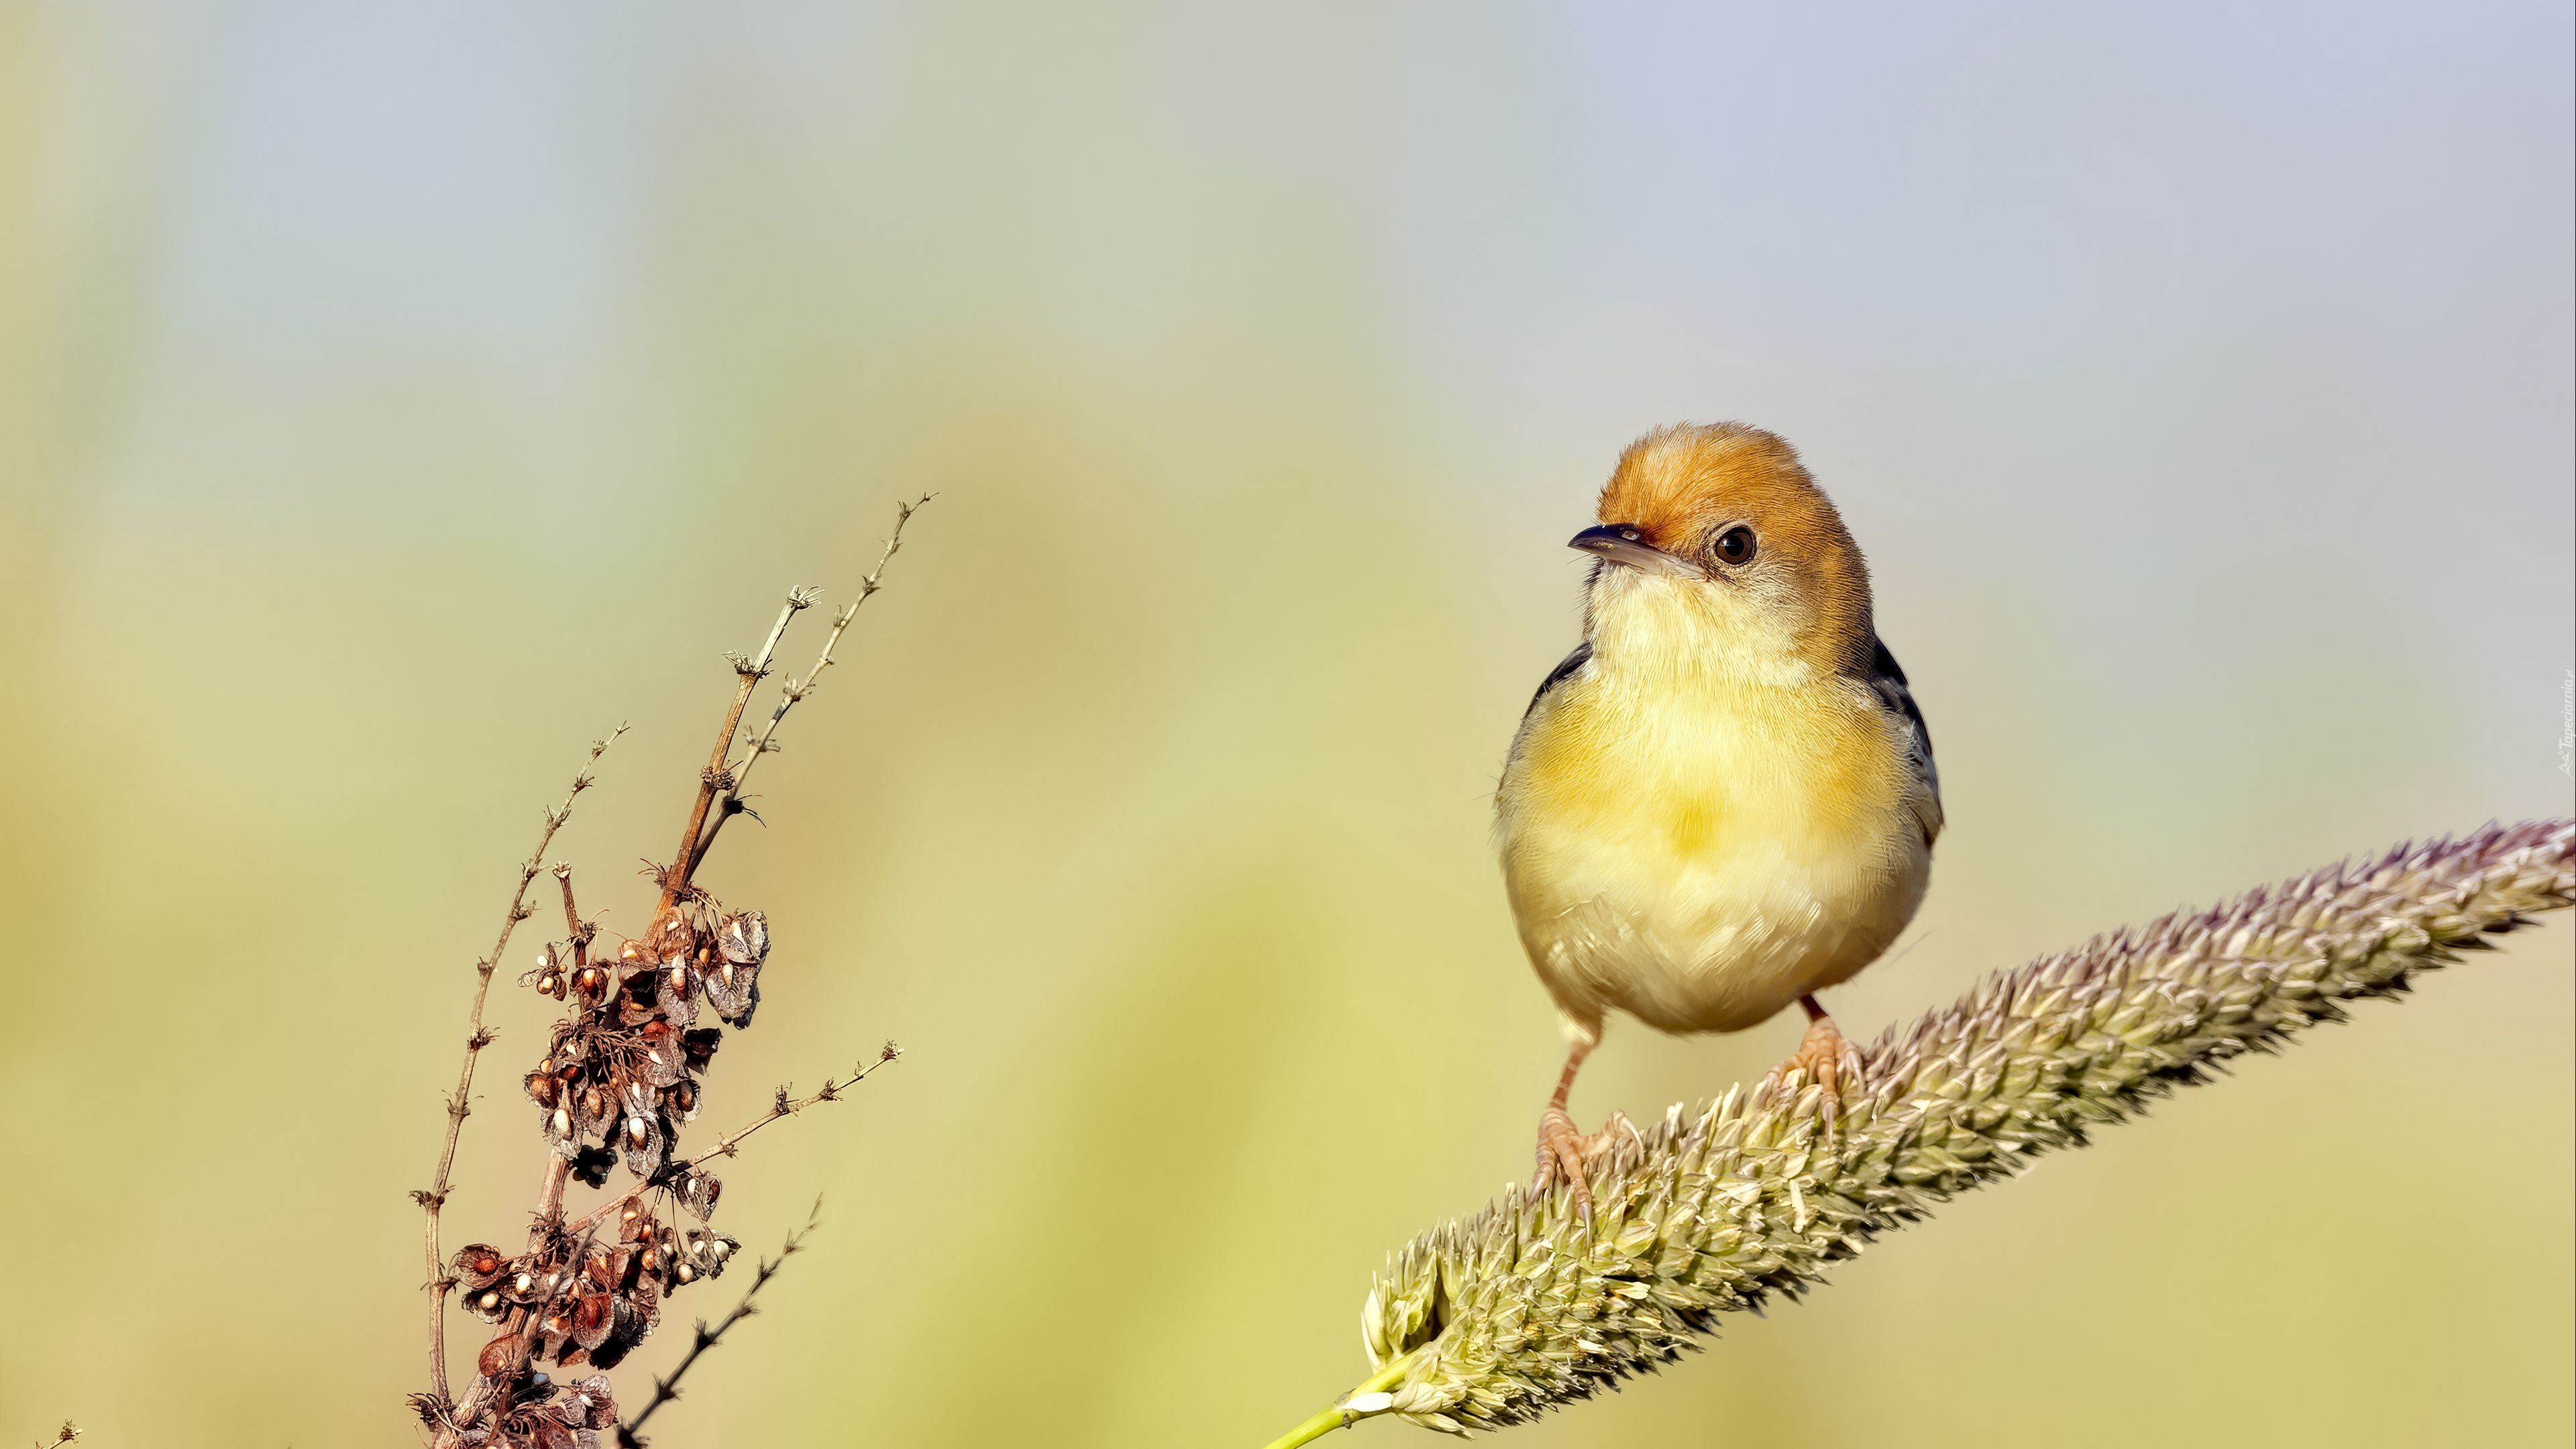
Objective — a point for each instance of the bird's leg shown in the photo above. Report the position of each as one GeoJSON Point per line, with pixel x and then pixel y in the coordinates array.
{"type": "Point", "coordinates": [1821, 1055]}
{"type": "Point", "coordinates": [1561, 1148]}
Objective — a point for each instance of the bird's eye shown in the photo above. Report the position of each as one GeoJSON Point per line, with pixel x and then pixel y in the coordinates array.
{"type": "Point", "coordinates": [1735, 546]}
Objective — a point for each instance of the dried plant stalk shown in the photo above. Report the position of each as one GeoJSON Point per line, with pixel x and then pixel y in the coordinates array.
{"type": "Point", "coordinates": [616, 1082]}
{"type": "Point", "coordinates": [1524, 1308]}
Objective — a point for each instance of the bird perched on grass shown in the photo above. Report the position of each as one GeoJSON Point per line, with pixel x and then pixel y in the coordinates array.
{"type": "Point", "coordinates": [1723, 800]}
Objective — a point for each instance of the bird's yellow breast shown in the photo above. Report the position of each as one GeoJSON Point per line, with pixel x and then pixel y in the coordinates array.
{"type": "Point", "coordinates": [1699, 849]}
{"type": "Point", "coordinates": [1694, 769]}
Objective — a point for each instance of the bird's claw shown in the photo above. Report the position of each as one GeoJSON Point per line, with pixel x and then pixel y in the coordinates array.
{"type": "Point", "coordinates": [1562, 1150]}
{"type": "Point", "coordinates": [1828, 1059]}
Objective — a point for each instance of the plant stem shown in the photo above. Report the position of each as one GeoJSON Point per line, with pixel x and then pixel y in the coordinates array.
{"type": "Point", "coordinates": [1338, 1416]}
{"type": "Point", "coordinates": [711, 780]}
{"type": "Point", "coordinates": [476, 1038]}
{"type": "Point", "coordinates": [797, 689]}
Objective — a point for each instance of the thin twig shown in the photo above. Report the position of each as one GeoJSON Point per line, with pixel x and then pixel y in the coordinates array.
{"type": "Point", "coordinates": [70, 1431]}
{"type": "Point", "coordinates": [797, 689]}
{"type": "Point", "coordinates": [781, 1106]}
{"type": "Point", "coordinates": [432, 1198]}
{"type": "Point", "coordinates": [666, 1389]}
{"type": "Point", "coordinates": [712, 780]}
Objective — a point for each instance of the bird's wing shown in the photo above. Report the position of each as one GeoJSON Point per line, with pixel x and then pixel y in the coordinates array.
{"type": "Point", "coordinates": [1563, 671]}
{"type": "Point", "coordinates": [1887, 681]}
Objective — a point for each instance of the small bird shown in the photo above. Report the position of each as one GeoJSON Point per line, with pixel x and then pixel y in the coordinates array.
{"type": "Point", "coordinates": [1723, 800]}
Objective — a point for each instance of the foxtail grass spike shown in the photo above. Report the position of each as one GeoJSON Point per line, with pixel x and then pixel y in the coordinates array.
{"type": "Point", "coordinates": [1524, 1307]}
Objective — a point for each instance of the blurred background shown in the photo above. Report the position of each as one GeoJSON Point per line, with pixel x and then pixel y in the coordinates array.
{"type": "Point", "coordinates": [398, 397]}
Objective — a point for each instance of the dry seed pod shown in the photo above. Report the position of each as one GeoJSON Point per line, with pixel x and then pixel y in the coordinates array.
{"type": "Point", "coordinates": [593, 1108]}
{"type": "Point", "coordinates": [571, 1053]}
{"type": "Point", "coordinates": [676, 990]}
{"type": "Point", "coordinates": [707, 1251]}
{"type": "Point", "coordinates": [674, 936]}
{"type": "Point", "coordinates": [665, 1061]}
{"type": "Point", "coordinates": [698, 1193]}
{"type": "Point", "coordinates": [502, 1358]}
{"type": "Point", "coordinates": [562, 1138]}
{"type": "Point", "coordinates": [636, 1096]}
{"type": "Point", "coordinates": [592, 1316]}
{"type": "Point", "coordinates": [681, 1101]}
{"type": "Point", "coordinates": [641, 1142]}
{"type": "Point", "coordinates": [546, 967]}
{"type": "Point", "coordinates": [662, 1065]}
{"type": "Point", "coordinates": [626, 1329]}
{"type": "Point", "coordinates": [549, 975]}
{"type": "Point", "coordinates": [590, 987]}
{"type": "Point", "coordinates": [637, 1000]}
{"type": "Point", "coordinates": [698, 1047]}
{"type": "Point", "coordinates": [478, 1266]}
{"type": "Point", "coordinates": [489, 1305]}
{"type": "Point", "coordinates": [590, 1166]}
{"type": "Point", "coordinates": [732, 989]}
{"type": "Point", "coordinates": [590, 1404]}
{"type": "Point", "coordinates": [646, 1298]}
{"type": "Point", "coordinates": [750, 1003]}
{"type": "Point", "coordinates": [555, 1331]}
{"type": "Point", "coordinates": [544, 1088]}
{"type": "Point", "coordinates": [744, 938]}
{"type": "Point", "coordinates": [523, 1283]}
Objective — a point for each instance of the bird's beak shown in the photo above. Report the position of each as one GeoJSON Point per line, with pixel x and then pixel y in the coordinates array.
{"type": "Point", "coordinates": [1619, 543]}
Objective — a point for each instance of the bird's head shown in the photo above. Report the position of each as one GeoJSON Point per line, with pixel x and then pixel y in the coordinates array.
{"type": "Point", "coordinates": [1715, 548]}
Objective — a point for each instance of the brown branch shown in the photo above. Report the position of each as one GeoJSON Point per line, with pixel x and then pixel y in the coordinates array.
{"type": "Point", "coordinates": [666, 1389]}
{"type": "Point", "coordinates": [432, 1198]}
{"type": "Point", "coordinates": [550, 1195]}
{"type": "Point", "coordinates": [781, 1106]}
{"type": "Point", "coordinates": [795, 690]}
{"type": "Point", "coordinates": [70, 1431]}
{"type": "Point", "coordinates": [581, 930]}
{"type": "Point", "coordinates": [712, 779]}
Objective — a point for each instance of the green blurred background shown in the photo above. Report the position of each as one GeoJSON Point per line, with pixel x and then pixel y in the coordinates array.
{"type": "Point", "coordinates": [397, 397]}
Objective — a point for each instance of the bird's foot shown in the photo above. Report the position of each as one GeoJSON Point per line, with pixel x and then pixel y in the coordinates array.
{"type": "Point", "coordinates": [1827, 1059]}
{"type": "Point", "coordinates": [1562, 1150]}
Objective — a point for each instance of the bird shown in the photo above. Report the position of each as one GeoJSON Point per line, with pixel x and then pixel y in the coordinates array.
{"type": "Point", "coordinates": [1724, 800]}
